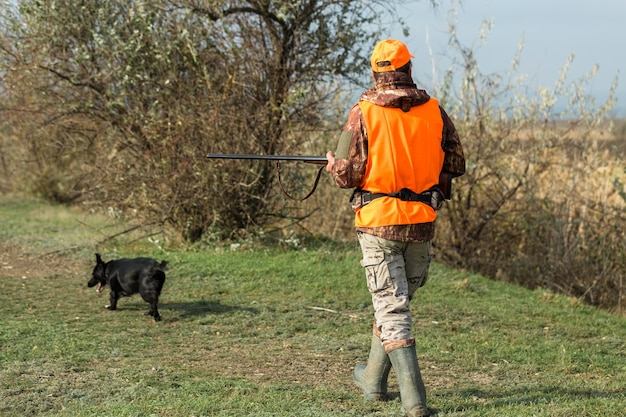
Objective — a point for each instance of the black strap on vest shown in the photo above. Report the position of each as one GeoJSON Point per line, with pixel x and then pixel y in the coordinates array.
{"type": "Point", "coordinates": [432, 197]}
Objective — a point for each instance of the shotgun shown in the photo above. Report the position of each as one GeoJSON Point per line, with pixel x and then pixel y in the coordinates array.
{"type": "Point", "coordinates": [318, 160]}
{"type": "Point", "coordinates": [445, 178]}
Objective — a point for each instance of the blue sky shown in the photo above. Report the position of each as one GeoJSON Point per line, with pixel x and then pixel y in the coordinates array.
{"type": "Point", "coordinates": [593, 31]}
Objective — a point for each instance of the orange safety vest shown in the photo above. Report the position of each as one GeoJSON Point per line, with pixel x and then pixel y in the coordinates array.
{"type": "Point", "coordinates": [404, 151]}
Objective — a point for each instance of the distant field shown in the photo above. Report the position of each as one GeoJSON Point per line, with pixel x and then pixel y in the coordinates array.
{"type": "Point", "coordinates": [273, 331]}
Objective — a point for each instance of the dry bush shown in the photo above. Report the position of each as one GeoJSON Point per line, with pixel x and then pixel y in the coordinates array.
{"type": "Point", "coordinates": [122, 101]}
{"type": "Point", "coordinates": [542, 202]}
{"type": "Point", "coordinates": [100, 108]}
{"type": "Point", "coordinates": [10, 154]}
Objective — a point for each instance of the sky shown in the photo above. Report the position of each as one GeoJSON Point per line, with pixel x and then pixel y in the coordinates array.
{"type": "Point", "coordinates": [594, 31]}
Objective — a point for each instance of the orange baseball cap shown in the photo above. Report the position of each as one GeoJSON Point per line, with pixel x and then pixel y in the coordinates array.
{"type": "Point", "coordinates": [389, 55]}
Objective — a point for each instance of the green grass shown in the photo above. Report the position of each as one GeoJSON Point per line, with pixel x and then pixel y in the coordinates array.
{"type": "Point", "coordinates": [275, 331]}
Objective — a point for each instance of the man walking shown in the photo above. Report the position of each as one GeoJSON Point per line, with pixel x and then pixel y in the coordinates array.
{"type": "Point", "coordinates": [393, 149]}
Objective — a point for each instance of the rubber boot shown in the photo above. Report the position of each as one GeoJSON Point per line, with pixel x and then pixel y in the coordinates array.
{"type": "Point", "coordinates": [412, 390]}
{"type": "Point", "coordinates": [372, 378]}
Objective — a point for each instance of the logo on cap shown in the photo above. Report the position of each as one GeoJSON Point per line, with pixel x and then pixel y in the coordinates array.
{"type": "Point", "coordinates": [389, 55]}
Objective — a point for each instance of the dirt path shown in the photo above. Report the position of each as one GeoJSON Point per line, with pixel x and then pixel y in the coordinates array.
{"type": "Point", "coordinates": [15, 262]}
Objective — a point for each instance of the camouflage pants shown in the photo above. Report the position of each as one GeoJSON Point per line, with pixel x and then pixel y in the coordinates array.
{"type": "Point", "coordinates": [394, 271]}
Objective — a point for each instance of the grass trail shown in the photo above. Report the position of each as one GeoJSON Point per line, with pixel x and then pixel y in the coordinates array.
{"type": "Point", "coordinates": [275, 332]}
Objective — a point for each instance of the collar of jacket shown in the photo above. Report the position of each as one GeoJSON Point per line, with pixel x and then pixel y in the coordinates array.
{"type": "Point", "coordinates": [393, 89]}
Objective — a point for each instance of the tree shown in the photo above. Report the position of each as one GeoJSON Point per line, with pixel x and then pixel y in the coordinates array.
{"type": "Point", "coordinates": [119, 101]}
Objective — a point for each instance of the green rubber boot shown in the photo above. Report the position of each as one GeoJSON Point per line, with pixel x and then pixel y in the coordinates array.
{"type": "Point", "coordinates": [412, 390]}
{"type": "Point", "coordinates": [372, 378]}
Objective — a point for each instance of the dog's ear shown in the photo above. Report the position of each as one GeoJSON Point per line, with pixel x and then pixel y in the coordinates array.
{"type": "Point", "coordinates": [98, 259]}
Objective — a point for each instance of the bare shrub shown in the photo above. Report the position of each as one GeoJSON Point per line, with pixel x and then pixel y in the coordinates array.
{"type": "Point", "coordinates": [115, 107]}
{"type": "Point", "coordinates": [121, 101]}
{"type": "Point", "coordinates": [540, 204]}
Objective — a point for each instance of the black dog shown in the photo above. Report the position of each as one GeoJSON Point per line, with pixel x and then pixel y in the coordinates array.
{"type": "Point", "coordinates": [130, 276]}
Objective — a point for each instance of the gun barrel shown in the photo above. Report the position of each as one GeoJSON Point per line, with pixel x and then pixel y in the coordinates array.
{"type": "Point", "coordinates": [320, 160]}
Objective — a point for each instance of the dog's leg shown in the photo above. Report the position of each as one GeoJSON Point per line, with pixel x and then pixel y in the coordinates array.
{"type": "Point", "coordinates": [154, 312]}
{"type": "Point", "coordinates": [113, 299]}
{"type": "Point", "coordinates": [153, 299]}
{"type": "Point", "coordinates": [151, 296]}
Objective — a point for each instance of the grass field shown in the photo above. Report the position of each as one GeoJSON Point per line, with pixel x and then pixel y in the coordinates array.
{"type": "Point", "coordinates": [275, 332]}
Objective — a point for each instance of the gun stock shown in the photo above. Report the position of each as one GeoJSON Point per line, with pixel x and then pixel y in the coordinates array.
{"type": "Point", "coordinates": [445, 184]}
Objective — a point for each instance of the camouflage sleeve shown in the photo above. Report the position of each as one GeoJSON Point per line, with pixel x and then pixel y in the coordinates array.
{"type": "Point", "coordinates": [349, 172]}
{"type": "Point", "coordinates": [454, 160]}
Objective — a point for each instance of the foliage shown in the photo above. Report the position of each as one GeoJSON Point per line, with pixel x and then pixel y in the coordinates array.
{"type": "Point", "coordinates": [540, 203]}
{"type": "Point", "coordinates": [114, 104]}
{"type": "Point", "coordinates": [119, 101]}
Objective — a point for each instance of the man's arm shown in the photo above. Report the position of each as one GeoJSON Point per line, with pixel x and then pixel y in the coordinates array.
{"type": "Point", "coordinates": [348, 169]}
{"type": "Point", "coordinates": [454, 160]}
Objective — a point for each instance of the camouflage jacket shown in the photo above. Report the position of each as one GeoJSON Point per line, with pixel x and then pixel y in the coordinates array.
{"type": "Point", "coordinates": [393, 89]}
